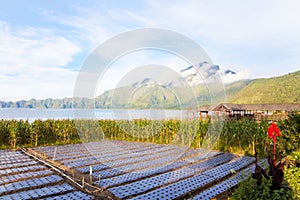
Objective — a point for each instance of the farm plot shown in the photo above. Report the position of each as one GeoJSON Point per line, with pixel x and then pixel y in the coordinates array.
{"type": "Point", "coordinates": [135, 170]}
{"type": "Point", "coordinates": [21, 177]}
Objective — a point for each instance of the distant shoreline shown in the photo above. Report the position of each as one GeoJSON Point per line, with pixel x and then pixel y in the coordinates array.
{"type": "Point", "coordinates": [32, 114]}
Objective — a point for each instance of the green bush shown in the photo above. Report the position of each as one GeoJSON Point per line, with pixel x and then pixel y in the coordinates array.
{"type": "Point", "coordinates": [292, 177]}
{"type": "Point", "coordinates": [243, 135]}
{"type": "Point", "coordinates": [290, 139]}
{"type": "Point", "coordinates": [249, 190]}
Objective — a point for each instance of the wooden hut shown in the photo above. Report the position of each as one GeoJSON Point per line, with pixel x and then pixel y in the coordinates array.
{"type": "Point", "coordinates": [273, 112]}
{"type": "Point", "coordinates": [204, 110]}
{"type": "Point", "coordinates": [231, 110]}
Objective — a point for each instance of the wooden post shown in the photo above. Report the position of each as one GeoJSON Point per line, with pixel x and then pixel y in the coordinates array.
{"type": "Point", "coordinates": [54, 153]}
{"type": "Point", "coordinates": [91, 172]}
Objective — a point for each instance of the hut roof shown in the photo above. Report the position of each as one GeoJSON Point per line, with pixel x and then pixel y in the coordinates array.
{"type": "Point", "coordinates": [261, 107]}
{"type": "Point", "coordinates": [206, 108]}
{"type": "Point", "coordinates": [273, 107]}
{"type": "Point", "coordinates": [228, 106]}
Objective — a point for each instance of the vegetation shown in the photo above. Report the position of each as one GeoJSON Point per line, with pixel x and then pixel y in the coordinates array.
{"type": "Point", "coordinates": [291, 176]}
{"type": "Point", "coordinates": [291, 134]}
{"type": "Point", "coordinates": [283, 89]}
{"type": "Point", "coordinates": [16, 133]}
{"type": "Point", "coordinates": [249, 190]}
{"type": "Point", "coordinates": [237, 135]}
{"type": "Point", "coordinates": [281, 182]}
{"type": "Point", "coordinates": [241, 136]}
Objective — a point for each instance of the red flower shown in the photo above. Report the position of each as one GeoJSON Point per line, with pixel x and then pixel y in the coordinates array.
{"type": "Point", "coordinates": [273, 131]}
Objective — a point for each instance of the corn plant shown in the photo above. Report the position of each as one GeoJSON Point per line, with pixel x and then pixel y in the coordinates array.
{"type": "Point", "coordinates": [4, 132]}
{"type": "Point", "coordinates": [13, 133]}
{"type": "Point", "coordinates": [237, 135]}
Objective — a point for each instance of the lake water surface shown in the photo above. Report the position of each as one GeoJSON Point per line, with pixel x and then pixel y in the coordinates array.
{"type": "Point", "coordinates": [33, 114]}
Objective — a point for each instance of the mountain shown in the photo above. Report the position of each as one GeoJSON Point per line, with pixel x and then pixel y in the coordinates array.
{"type": "Point", "coordinates": [150, 94]}
{"type": "Point", "coordinates": [282, 89]}
{"type": "Point", "coordinates": [234, 88]}
{"type": "Point", "coordinates": [146, 94]}
{"type": "Point", "coordinates": [49, 103]}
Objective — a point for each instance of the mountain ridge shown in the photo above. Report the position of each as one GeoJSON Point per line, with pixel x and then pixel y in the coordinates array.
{"type": "Point", "coordinates": [281, 89]}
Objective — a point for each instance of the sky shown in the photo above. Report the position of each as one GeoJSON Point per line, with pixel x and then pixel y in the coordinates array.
{"type": "Point", "coordinates": [43, 44]}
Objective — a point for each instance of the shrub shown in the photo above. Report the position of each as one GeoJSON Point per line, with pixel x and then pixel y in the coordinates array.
{"type": "Point", "coordinates": [290, 139]}
{"type": "Point", "coordinates": [291, 176]}
{"type": "Point", "coordinates": [249, 190]}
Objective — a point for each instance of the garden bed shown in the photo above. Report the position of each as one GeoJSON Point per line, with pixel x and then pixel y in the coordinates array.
{"type": "Point", "coordinates": [22, 177]}
{"type": "Point", "coordinates": [138, 170]}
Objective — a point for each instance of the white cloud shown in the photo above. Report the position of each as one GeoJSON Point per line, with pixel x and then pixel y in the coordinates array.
{"type": "Point", "coordinates": [30, 61]}
{"type": "Point", "coordinates": [234, 33]}
{"type": "Point", "coordinates": [34, 48]}
{"type": "Point", "coordinates": [262, 36]}
{"type": "Point", "coordinates": [127, 64]}
{"type": "Point", "coordinates": [38, 83]}
{"type": "Point", "coordinates": [253, 38]}
{"type": "Point", "coordinates": [90, 25]}
{"type": "Point", "coordinates": [229, 21]}
{"type": "Point", "coordinates": [240, 74]}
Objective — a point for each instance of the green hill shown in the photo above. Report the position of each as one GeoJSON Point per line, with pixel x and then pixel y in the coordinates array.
{"type": "Point", "coordinates": [234, 88]}
{"type": "Point", "coordinates": [282, 89]}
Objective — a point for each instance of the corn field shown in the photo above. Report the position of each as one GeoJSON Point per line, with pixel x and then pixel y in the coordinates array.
{"type": "Point", "coordinates": [237, 135]}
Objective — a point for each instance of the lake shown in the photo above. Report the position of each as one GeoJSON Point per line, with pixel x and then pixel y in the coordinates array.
{"type": "Point", "coordinates": [33, 114]}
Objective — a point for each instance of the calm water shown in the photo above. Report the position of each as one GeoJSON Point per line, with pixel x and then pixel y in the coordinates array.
{"type": "Point", "coordinates": [33, 114]}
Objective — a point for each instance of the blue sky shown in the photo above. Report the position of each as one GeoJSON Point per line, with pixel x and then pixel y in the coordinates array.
{"type": "Point", "coordinates": [43, 44]}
